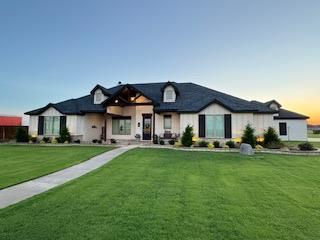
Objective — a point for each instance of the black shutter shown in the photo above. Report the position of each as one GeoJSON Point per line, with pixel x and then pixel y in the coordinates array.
{"type": "Point", "coordinates": [227, 126]}
{"type": "Point", "coordinates": [40, 125]}
{"type": "Point", "coordinates": [63, 122]}
{"type": "Point", "coordinates": [202, 126]}
{"type": "Point", "coordinates": [283, 128]}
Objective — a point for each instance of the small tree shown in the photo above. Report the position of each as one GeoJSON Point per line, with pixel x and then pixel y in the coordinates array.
{"type": "Point", "coordinates": [187, 136]}
{"type": "Point", "coordinates": [271, 138]}
{"type": "Point", "coordinates": [22, 135]}
{"type": "Point", "coordinates": [65, 135]}
{"type": "Point", "coordinates": [248, 136]}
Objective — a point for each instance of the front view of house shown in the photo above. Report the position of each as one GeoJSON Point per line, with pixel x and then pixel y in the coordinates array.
{"type": "Point", "coordinates": [143, 111]}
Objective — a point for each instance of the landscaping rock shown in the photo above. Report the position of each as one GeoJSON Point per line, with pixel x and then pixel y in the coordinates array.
{"type": "Point", "coordinates": [246, 149]}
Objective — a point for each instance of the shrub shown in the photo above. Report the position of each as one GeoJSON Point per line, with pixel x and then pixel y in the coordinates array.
{"type": "Point", "coordinates": [271, 139]}
{"type": "Point", "coordinates": [113, 141]}
{"type": "Point", "coordinates": [77, 141]}
{"type": "Point", "coordinates": [210, 146]}
{"type": "Point", "coordinates": [306, 146]}
{"type": "Point", "coordinates": [248, 136]}
{"type": "Point", "coordinates": [22, 135]}
{"type": "Point", "coordinates": [216, 144]}
{"type": "Point", "coordinates": [231, 144]}
{"type": "Point", "coordinates": [187, 136]}
{"type": "Point", "coordinates": [172, 141]}
{"type": "Point", "coordinates": [177, 144]}
{"type": "Point", "coordinates": [65, 135]}
{"type": "Point", "coordinates": [155, 139]}
{"type": "Point", "coordinates": [46, 139]}
{"type": "Point", "coordinates": [161, 142]}
{"type": "Point", "coordinates": [42, 142]}
{"type": "Point", "coordinates": [203, 143]}
{"type": "Point", "coordinates": [316, 131]}
{"type": "Point", "coordinates": [259, 147]}
{"type": "Point", "coordinates": [33, 139]}
{"type": "Point", "coordinates": [54, 141]}
{"type": "Point", "coordinates": [94, 140]}
{"type": "Point", "coordinates": [99, 141]}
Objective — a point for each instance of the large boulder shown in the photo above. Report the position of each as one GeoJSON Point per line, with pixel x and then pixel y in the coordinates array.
{"type": "Point", "coordinates": [246, 149]}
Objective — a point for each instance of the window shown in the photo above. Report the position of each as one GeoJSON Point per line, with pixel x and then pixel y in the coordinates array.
{"type": "Point", "coordinates": [283, 129]}
{"type": "Point", "coordinates": [121, 126]}
{"type": "Point", "coordinates": [214, 126]}
{"type": "Point", "coordinates": [51, 125]}
{"type": "Point", "coordinates": [167, 121]}
{"type": "Point", "coordinates": [98, 97]}
{"type": "Point", "coordinates": [169, 94]}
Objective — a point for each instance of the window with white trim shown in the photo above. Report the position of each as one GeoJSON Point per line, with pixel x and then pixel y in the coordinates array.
{"type": "Point", "coordinates": [167, 122]}
{"type": "Point", "coordinates": [121, 126]}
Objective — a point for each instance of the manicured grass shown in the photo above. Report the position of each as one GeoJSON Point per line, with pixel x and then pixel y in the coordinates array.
{"type": "Point", "coordinates": [21, 163]}
{"type": "Point", "coordinates": [296, 143]}
{"type": "Point", "coordinates": [168, 194]}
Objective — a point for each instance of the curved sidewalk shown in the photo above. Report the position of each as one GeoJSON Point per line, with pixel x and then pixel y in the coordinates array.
{"type": "Point", "coordinates": [22, 191]}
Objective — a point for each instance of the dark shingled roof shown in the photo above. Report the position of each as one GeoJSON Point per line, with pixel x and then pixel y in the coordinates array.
{"type": "Point", "coordinates": [191, 98]}
{"type": "Point", "coordinates": [285, 114]}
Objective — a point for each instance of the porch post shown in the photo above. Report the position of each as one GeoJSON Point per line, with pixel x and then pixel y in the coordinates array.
{"type": "Point", "coordinates": [154, 125]}
{"type": "Point", "coordinates": [105, 126]}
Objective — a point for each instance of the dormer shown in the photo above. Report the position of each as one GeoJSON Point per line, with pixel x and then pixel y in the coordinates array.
{"type": "Point", "coordinates": [274, 105]}
{"type": "Point", "coordinates": [170, 92]}
{"type": "Point", "coordinates": [99, 94]}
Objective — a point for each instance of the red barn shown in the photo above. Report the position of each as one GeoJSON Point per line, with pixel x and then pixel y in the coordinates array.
{"type": "Point", "coordinates": [10, 121]}
{"type": "Point", "coordinates": [8, 126]}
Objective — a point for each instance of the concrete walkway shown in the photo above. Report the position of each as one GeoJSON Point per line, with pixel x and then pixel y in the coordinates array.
{"type": "Point", "coordinates": [22, 191]}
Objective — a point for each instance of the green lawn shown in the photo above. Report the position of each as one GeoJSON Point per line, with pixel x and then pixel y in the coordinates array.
{"type": "Point", "coordinates": [168, 194]}
{"type": "Point", "coordinates": [21, 163]}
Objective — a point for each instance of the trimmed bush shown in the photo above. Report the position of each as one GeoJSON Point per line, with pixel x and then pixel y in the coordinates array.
{"type": "Point", "coordinates": [94, 140]}
{"type": "Point", "coordinates": [46, 139]}
{"type": "Point", "coordinates": [77, 141]}
{"type": "Point", "coordinates": [161, 142]}
{"type": "Point", "coordinates": [271, 139]}
{"type": "Point", "coordinates": [210, 146]}
{"type": "Point", "coordinates": [22, 135]}
{"type": "Point", "coordinates": [248, 136]}
{"type": "Point", "coordinates": [187, 136]}
{"type": "Point", "coordinates": [113, 141]}
{"type": "Point", "coordinates": [216, 144]}
{"type": "Point", "coordinates": [172, 141]}
{"type": "Point", "coordinates": [316, 131]}
{"type": "Point", "coordinates": [306, 146]}
{"type": "Point", "coordinates": [54, 141]}
{"type": "Point", "coordinates": [33, 139]}
{"type": "Point", "coordinates": [155, 139]}
{"type": "Point", "coordinates": [259, 147]}
{"type": "Point", "coordinates": [203, 143]}
{"type": "Point", "coordinates": [65, 135]}
{"type": "Point", "coordinates": [231, 144]}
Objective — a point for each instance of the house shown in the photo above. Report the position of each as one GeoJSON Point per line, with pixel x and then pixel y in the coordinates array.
{"type": "Point", "coordinates": [130, 111]}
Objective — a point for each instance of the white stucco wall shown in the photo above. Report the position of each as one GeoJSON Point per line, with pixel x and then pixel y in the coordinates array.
{"type": "Point", "coordinates": [159, 123]}
{"type": "Point", "coordinates": [92, 126]}
{"type": "Point", "coordinates": [262, 122]}
{"type": "Point", "coordinates": [296, 130]}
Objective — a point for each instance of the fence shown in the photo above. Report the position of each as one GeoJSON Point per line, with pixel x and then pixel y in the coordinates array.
{"type": "Point", "coordinates": [9, 132]}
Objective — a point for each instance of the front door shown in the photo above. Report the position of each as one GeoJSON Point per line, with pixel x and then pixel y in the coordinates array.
{"type": "Point", "coordinates": [146, 127]}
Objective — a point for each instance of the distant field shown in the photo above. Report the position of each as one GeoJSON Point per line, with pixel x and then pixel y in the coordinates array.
{"type": "Point", "coordinates": [312, 135]}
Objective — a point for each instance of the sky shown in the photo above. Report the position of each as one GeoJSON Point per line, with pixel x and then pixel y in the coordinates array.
{"type": "Point", "coordinates": [257, 50]}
